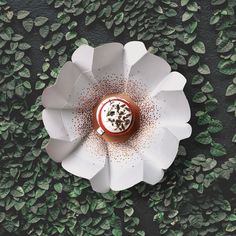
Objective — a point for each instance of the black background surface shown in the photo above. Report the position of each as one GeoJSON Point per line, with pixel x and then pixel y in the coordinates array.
{"type": "Point", "coordinates": [97, 34]}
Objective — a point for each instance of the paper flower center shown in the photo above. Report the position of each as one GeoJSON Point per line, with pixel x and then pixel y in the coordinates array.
{"type": "Point", "coordinates": [116, 117]}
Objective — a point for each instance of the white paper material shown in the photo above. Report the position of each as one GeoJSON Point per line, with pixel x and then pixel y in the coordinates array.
{"type": "Point", "coordinates": [111, 168]}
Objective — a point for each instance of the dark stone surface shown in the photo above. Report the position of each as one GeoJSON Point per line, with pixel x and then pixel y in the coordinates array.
{"type": "Point", "coordinates": [97, 34]}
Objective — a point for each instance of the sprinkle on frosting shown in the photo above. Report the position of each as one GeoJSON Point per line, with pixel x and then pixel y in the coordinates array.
{"type": "Point", "coordinates": [116, 115]}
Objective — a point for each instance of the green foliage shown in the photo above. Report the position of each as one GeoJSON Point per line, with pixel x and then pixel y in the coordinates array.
{"type": "Point", "coordinates": [38, 197]}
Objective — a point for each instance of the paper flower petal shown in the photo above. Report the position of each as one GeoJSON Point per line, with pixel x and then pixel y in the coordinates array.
{"type": "Point", "coordinates": [173, 107]}
{"type": "Point", "coordinates": [150, 70]}
{"type": "Point", "coordinates": [101, 181]}
{"type": "Point", "coordinates": [152, 173]}
{"type": "Point", "coordinates": [162, 149]}
{"type": "Point", "coordinates": [172, 82]}
{"type": "Point", "coordinates": [133, 51]}
{"type": "Point", "coordinates": [108, 57]}
{"type": "Point", "coordinates": [57, 95]}
{"type": "Point", "coordinates": [76, 123]}
{"type": "Point", "coordinates": [58, 150]}
{"type": "Point", "coordinates": [180, 131]}
{"type": "Point", "coordinates": [65, 124]}
{"type": "Point", "coordinates": [125, 171]}
{"type": "Point", "coordinates": [54, 125]}
{"type": "Point", "coordinates": [83, 58]}
{"type": "Point", "coordinates": [83, 162]}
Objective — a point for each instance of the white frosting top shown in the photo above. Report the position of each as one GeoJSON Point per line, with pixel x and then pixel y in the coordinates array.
{"type": "Point", "coordinates": [116, 115]}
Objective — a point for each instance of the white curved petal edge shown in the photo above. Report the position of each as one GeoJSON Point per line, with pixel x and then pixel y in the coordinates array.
{"type": "Point", "coordinates": [164, 87]}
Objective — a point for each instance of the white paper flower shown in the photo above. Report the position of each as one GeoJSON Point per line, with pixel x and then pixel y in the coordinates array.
{"type": "Point", "coordinates": [108, 69]}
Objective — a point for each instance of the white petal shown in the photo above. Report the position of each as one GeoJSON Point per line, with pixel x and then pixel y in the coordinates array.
{"type": "Point", "coordinates": [150, 70]}
{"type": "Point", "coordinates": [152, 172]}
{"type": "Point", "coordinates": [57, 96]}
{"type": "Point", "coordinates": [172, 82]}
{"type": "Point", "coordinates": [133, 51]}
{"type": "Point", "coordinates": [51, 98]}
{"type": "Point", "coordinates": [106, 64]}
{"type": "Point", "coordinates": [83, 58]}
{"type": "Point", "coordinates": [126, 167]}
{"type": "Point", "coordinates": [91, 60]}
{"type": "Point", "coordinates": [77, 124]}
{"type": "Point", "coordinates": [173, 107]}
{"type": "Point", "coordinates": [162, 148]}
{"type": "Point", "coordinates": [66, 124]}
{"type": "Point", "coordinates": [54, 125]}
{"type": "Point", "coordinates": [58, 150]}
{"type": "Point", "coordinates": [101, 181]}
{"type": "Point", "coordinates": [108, 54]}
{"type": "Point", "coordinates": [85, 162]}
{"type": "Point", "coordinates": [181, 131]}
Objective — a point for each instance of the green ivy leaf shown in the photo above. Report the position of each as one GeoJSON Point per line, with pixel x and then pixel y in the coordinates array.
{"type": "Point", "coordinates": [57, 38]}
{"type": "Point", "coordinates": [173, 213]}
{"type": "Point", "coordinates": [217, 150]}
{"type": "Point", "coordinates": [204, 69]}
{"type": "Point", "coordinates": [39, 85]}
{"type": "Point", "coordinates": [234, 138]}
{"type": "Point", "coordinates": [230, 228]}
{"type": "Point", "coordinates": [184, 2]}
{"type": "Point", "coordinates": [186, 16]}
{"type": "Point", "coordinates": [180, 60]}
{"type": "Point", "coordinates": [119, 18]}
{"type": "Point", "coordinates": [118, 30]}
{"type": "Point", "coordinates": [214, 19]}
{"type": "Point", "coordinates": [43, 184]}
{"type": "Point", "coordinates": [211, 104]}
{"type": "Point", "coordinates": [207, 88]}
{"type": "Point", "coordinates": [19, 205]}
{"type": "Point", "coordinates": [227, 67]}
{"type": "Point", "coordinates": [24, 46]}
{"type": "Point", "coordinates": [193, 60]}
{"type": "Point", "coordinates": [28, 24]}
{"type": "Point", "coordinates": [5, 36]}
{"type": "Point", "coordinates": [40, 20]}
{"type": "Point", "coordinates": [129, 211]}
{"type": "Point", "coordinates": [204, 119]}
{"type": "Point", "coordinates": [18, 192]}
{"type": "Point", "coordinates": [58, 187]}
{"type": "Point", "coordinates": [19, 55]}
{"type": "Point", "coordinates": [204, 138]}
{"type": "Point", "coordinates": [199, 97]}
{"type": "Point", "coordinates": [193, 6]}
{"type": "Point", "coordinates": [231, 217]}
{"type": "Point", "coordinates": [25, 73]}
{"type": "Point", "coordinates": [225, 46]}
{"type": "Point", "coordinates": [199, 47]}
{"type": "Point", "coordinates": [44, 31]}
{"type": "Point", "coordinates": [231, 90]}
{"type": "Point", "coordinates": [217, 2]}
{"type": "Point", "coordinates": [218, 216]}
{"type": "Point", "coordinates": [89, 19]}
{"type": "Point", "coordinates": [2, 216]}
{"type": "Point", "coordinates": [116, 232]}
{"type": "Point", "coordinates": [116, 6]}
{"type": "Point", "coordinates": [171, 13]}
{"type": "Point", "coordinates": [70, 35]}
{"type": "Point", "coordinates": [197, 79]}
{"type": "Point", "coordinates": [22, 14]}
{"type": "Point", "coordinates": [215, 126]}
{"type": "Point", "coordinates": [190, 28]}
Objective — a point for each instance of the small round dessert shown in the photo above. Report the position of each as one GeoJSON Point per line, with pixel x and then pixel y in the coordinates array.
{"type": "Point", "coordinates": [116, 117]}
